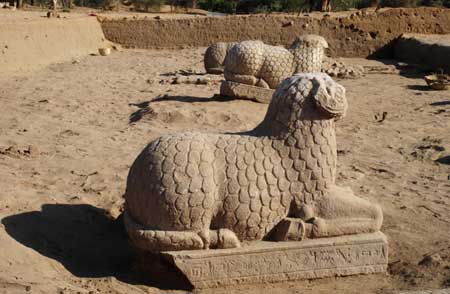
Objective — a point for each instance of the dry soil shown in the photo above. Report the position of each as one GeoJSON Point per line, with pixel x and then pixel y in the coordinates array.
{"type": "Point", "coordinates": [69, 133]}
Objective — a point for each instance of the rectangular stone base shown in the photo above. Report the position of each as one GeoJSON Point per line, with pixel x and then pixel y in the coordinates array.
{"type": "Point", "coordinates": [244, 91]}
{"type": "Point", "coordinates": [282, 261]}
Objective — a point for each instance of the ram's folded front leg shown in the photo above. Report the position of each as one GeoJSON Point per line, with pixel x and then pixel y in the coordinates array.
{"type": "Point", "coordinates": [263, 84]}
{"type": "Point", "coordinates": [291, 229]}
{"type": "Point", "coordinates": [223, 238]}
{"type": "Point", "coordinates": [340, 212]}
{"type": "Point", "coordinates": [243, 79]}
{"type": "Point", "coordinates": [340, 227]}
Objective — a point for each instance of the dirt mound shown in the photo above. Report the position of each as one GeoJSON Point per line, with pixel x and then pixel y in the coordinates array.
{"type": "Point", "coordinates": [28, 45]}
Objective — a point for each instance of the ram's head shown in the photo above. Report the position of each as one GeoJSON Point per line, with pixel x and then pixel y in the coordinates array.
{"type": "Point", "coordinates": [307, 96]}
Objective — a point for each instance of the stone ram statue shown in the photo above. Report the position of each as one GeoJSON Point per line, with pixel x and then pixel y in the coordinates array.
{"type": "Point", "coordinates": [276, 182]}
{"type": "Point", "coordinates": [215, 57]}
{"type": "Point", "coordinates": [257, 64]}
{"type": "Point", "coordinates": [249, 58]}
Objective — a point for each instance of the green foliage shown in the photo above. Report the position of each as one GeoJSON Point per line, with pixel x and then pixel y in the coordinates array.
{"type": "Point", "coordinates": [267, 6]}
{"type": "Point", "coordinates": [224, 6]}
{"type": "Point", "coordinates": [249, 6]}
{"type": "Point", "coordinates": [342, 5]}
{"type": "Point", "coordinates": [148, 5]}
{"type": "Point", "coordinates": [433, 3]}
{"type": "Point", "coordinates": [91, 3]}
{"type": "Point", "coordinates": [400, 3]}
{"type": "Point", "coordinates": [297, 5]}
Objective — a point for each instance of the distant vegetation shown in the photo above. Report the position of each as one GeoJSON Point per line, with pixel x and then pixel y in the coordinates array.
{"type": "Point", "coordinates": [244, 6]}
{"type": "Point", "coordinates": [148, 5]}
{"type": "Point", "coordinates": [268, 6]}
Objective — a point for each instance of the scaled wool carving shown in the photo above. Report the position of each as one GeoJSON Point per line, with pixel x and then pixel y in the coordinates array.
{"type": "Point", "coordinates": [215, 57]}
{"type": "Point", "coordinates": [276, 182]}
{"type": "Point", "coordinates": [257, 64]}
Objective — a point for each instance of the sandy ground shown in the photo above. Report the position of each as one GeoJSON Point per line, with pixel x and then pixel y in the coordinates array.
{"type": "Point", "coordinates": [37, 14]}
{"type": "Point", "coordinates": [69, 133]}
{"type": "Point", "coordinates": [33, 13]}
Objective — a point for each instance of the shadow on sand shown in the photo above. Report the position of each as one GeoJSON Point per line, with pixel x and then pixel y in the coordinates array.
{"type": "Point", "coordinates": [440, 103]}
{"type": "Point", "coordinates": [87, 242]}
{"type": "Point", "coordinates": [81, 237]}
{"type": "Point", "coordinates": [145, 108]}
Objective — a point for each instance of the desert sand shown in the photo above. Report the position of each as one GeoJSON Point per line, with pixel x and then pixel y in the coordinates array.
{"type": "Point", "coordinates": [69, 133]}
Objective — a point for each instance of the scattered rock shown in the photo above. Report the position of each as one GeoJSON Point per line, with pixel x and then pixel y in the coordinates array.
{"type": "Point", "coordinates": [429, 149]}
{"type": "Point", "coordinates": [17, 152]}
{"type": "Point", "coordinates": [339, 69]}
{"type": "Point", "coordinates": [431, 260]}
{"type": "Point", "coordinates": [381, 69]}
{"type": "Point", "coordinates": [191, 80]}
{"type": "Point", "coordinates": [51, 14]}
{"type": "Point", "coordinates": [33, 151]}
{"type": "Point", "coordinates": [115, 211]}
{"type": "Point", "coordinates": [104, 51]}
{"type": "Point", "coordinates": [380, 117]}
{"type": "Point", "coordinates": [117, 47]}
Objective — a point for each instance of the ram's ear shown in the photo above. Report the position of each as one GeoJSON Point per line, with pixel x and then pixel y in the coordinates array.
{"type": "Point", "coordinates": [324, 43]}
{"type": "Point", "coordinates": [330, 97]}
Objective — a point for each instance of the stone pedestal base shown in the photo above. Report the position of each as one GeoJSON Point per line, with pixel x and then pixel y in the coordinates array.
{"type": "Point", "coordinates": [244, 91]}
{"type": "Point", "coordinates": [262, 262]}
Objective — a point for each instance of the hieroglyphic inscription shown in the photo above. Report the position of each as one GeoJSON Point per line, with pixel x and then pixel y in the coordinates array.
{"type": "Point", "coordinates": [234, 89]}
{"type": "Point", "coordinates": [298, 261]}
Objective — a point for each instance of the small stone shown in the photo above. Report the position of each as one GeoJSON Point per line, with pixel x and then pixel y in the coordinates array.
{"type": "Point", "coordinates": [431, 260]}
{"type": "Point", "coordinates": [117, 47]}
{"type": "Point", "coordinates": [33, 151]}
{"type": "Point", "coordinates": [287, 24]}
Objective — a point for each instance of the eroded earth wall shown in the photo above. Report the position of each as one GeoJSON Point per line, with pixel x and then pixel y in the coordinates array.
{"type": "Point", "coordinates": [33, 44]}
{"type": "Point", "coordinates": [431, 50]}
{"type": "Point", "coordinates": [357, 34]}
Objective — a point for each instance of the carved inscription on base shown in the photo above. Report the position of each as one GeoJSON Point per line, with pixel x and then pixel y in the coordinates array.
{"type": "Point", "coordinates": [244, 91]}
{"type": "Point", "coordinates": [272, 262]}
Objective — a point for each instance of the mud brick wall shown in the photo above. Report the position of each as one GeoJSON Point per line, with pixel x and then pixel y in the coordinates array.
{"type": "Point", "coordinates": [359, 34]}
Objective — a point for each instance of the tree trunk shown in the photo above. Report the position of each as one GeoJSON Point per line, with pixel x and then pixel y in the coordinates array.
{"type": "Point", "coordinates": [19, 4]}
